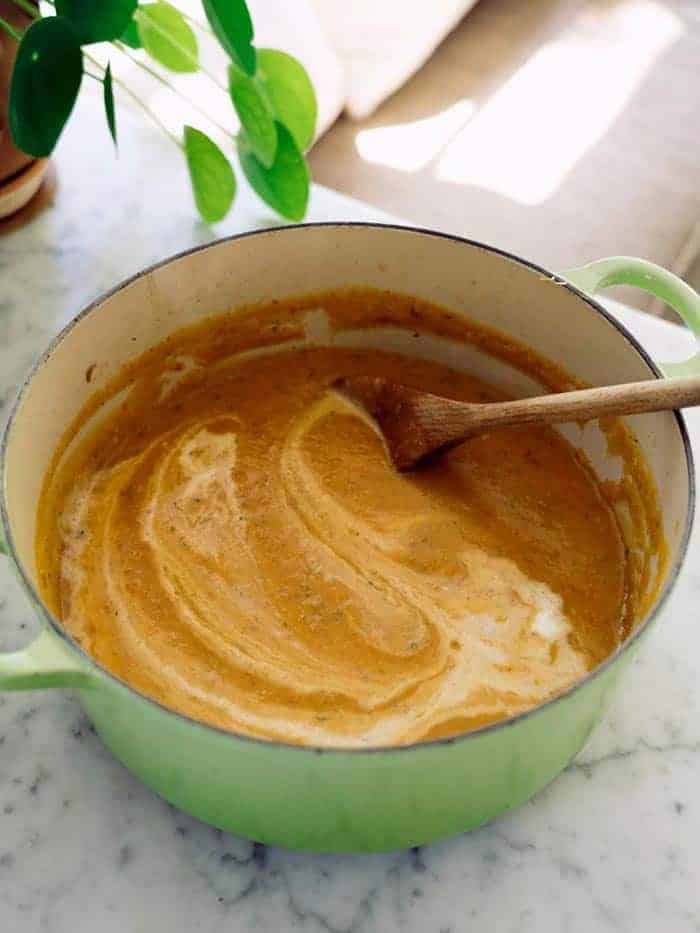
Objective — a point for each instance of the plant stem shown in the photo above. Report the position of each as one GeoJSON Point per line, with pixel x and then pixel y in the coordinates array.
{"type": "Point", "coordinates": [204, 27]}
{"type": "Point", "coordinates": [142, 14]}
{"type": "Point", "coordinates": [28, 8]}
{"type": "Point", "coordinates": [10, 30]}
{"type": "Point", "coordinates": [159, 77]}
{"type": "Point", "coordinates": [137, 100]}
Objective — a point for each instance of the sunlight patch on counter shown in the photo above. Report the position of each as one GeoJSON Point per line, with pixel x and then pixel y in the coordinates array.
{"type": "Point", "coordinates": [532, 133]}
{"type": "Point", "coordinates": [409, 147]}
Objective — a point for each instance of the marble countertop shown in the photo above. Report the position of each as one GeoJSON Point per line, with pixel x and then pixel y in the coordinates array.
{"type": "Point", "coordinates": [613, 844]}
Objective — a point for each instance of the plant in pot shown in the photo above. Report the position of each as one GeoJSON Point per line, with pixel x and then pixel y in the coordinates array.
{"type": "Point", "coordinates": [49, 56]}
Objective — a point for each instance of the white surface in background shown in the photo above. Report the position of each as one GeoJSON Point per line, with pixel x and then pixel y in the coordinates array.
{"type": "Point", "coordinates": [381, 43]}
{"type": "Point", "coordinates": [612, 844]}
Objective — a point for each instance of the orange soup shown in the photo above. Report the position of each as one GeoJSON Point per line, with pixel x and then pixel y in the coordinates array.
{"type": "Point", "coordinates": [229, 538]}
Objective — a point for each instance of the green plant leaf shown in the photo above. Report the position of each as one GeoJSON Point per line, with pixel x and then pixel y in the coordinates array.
{"type": "Point", "coordinates": [165, 35]}
{"type": "Point", "coordinates": [291, 93]}
{"type": "Point", "coordinates": [97, 20]}
{"type": "Point", "coordinates": [285, 185]}
{"type": "Point", "coordinates": [130, 36]}
{"type": "Point", "coordinates": [233, 27]}
{"type": "Point", "coordinates": [213, 181]}
{"type": "Point", "coordinates": [108, 92]}
{"type": "Point", "coordinates": [255, 115]}
{"type": "Point", "coordinates": [45, 82]}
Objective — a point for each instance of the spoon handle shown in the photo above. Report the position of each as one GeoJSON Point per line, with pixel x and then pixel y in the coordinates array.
{"type": "Point", "coordinates": [585, 404]}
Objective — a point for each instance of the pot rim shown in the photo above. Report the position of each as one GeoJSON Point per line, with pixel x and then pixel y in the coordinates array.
{"type": "Point", "coordinates": [338, 749]}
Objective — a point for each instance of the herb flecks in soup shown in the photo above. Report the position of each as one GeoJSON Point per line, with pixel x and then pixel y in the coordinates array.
{"type": "Point", "coordinates": [232, 541]}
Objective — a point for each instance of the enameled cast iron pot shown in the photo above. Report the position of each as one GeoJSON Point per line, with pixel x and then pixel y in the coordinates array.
{"type": "Point", "coordinates": [326, 799]}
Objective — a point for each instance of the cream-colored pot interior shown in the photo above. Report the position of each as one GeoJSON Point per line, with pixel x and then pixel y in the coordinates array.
{"type": "Point", "coordinates": [486, 285]}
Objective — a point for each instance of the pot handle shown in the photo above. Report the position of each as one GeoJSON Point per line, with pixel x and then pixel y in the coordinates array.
{"type": "Point", "coordinates": [46, 662]}
{"type": "Point", "coordinates": [626, 270]}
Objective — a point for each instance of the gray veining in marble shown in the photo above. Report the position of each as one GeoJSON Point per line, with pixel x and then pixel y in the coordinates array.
{"type": "Point", "coordinates": [613, 844]}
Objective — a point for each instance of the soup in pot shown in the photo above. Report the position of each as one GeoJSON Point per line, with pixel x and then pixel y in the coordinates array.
{"type": "Point", "coordinates": [228, 536]}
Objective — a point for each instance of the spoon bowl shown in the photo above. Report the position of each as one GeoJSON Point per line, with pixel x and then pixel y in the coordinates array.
{"type": "Point", "coordinates": [418, 425]}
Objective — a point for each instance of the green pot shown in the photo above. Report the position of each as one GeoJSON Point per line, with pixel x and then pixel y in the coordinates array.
{"type": "Point", "coordinates": [329, 799]}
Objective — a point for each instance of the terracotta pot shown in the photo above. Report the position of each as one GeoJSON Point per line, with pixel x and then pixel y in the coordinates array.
{"type": "Point", "coordinates": [20, 174]}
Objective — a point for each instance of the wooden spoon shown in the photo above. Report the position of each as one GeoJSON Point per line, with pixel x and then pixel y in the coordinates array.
{"type": "Point", "coordinates": [417, 424]}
